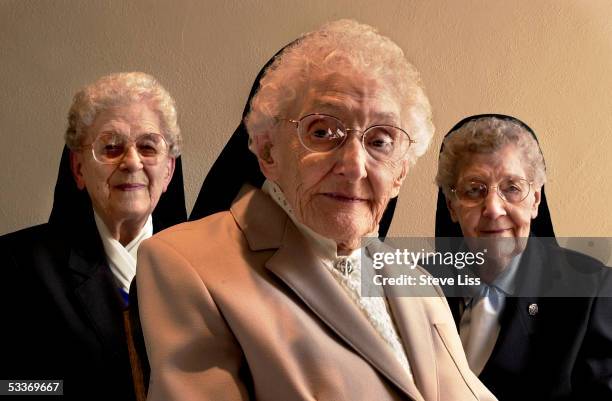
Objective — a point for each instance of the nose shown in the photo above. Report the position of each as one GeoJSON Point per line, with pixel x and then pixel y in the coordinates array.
{"type": "Point", "coordinates": [351, 159]}
{"type": "Point", "coordinates": [493, 206]}
{"type": "Point", "coordinates": [131, 160]}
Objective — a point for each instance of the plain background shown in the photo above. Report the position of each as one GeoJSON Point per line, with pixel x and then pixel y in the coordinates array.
{"type": "Point", "coordinates": [548, 62]}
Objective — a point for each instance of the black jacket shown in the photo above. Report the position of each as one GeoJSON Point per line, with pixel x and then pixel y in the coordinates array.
{"type": "Point", "coordinates": [564, 350]}
{"type": "Point", "coordinates": [62, 309]}
{"type": "Point", "coordinates": [64, 313]}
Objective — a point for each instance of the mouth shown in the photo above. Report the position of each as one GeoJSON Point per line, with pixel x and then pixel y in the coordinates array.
{"type": "Point", "coordinates": [496, 231]}
{"type": "Point", "coordinates": [130, 187]}
{"type": "Point", "coordinates": [345, 198]}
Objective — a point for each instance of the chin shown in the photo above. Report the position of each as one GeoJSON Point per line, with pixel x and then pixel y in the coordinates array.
{"type": "Point", "coordinates": [133, 213]}
{"type": "Point", "coordinates": [349, 235]}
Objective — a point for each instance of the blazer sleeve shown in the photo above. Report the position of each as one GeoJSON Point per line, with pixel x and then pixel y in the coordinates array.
{"type": "Point", "coordinates": [192, 351]}
{"type": "Point", "coordinates": [593, 375]}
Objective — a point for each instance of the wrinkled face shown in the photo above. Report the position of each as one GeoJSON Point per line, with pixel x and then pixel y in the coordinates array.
{"type": "Point", "coordinates": [495, 218]}
{"type": "Point", "coordinates": [130, 190]}
{"type": "Point", "coordinates": [343, 193]}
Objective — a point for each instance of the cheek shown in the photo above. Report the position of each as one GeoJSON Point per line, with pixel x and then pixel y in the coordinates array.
{"type": "Point", "coordinates": [302, 176]}
{"type": "Point", "coordinates": [97, 179]}
{"type": "Point", "coordinates": [157, 181]}
{"type": "Point", "coordinates": [468, 219]}
{"type": "Point", "coordinates": [381, 183]}
{"type": "Point", "coordinates": [522, 219]}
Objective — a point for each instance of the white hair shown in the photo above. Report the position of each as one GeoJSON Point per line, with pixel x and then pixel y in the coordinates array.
{"type": "Point", "coordinates": [488, 135]}
{"type": "Point", "coordinates": [335, 48]}
{"type": "Point", "coordinates": [117, 90]}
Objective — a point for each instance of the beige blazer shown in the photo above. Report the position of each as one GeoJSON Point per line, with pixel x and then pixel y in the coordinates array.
{"type": "Point", "coordinates": [235, 306]}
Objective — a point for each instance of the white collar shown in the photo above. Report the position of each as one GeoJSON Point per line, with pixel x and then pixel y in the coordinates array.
{"type": "Point", "coordinates": [122, 260]}
{"type": "Point", "coordinates": [506, 280]}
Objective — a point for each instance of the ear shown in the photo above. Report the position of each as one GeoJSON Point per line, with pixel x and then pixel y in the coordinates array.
{"type": "Point", "coordinates": [169, 172]}
{"type": "Point", "coordinates": [536, 203]}
{"type": "Point", "coordinates": [76, 165]}
{"type": "Point", "coordinates": [263, 147]}
{"type": "Point", "coordinates": [398, 181]}
{"type": "Point", "coordinates": [451, 210]}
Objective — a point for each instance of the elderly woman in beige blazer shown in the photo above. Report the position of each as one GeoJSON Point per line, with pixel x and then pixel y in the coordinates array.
{"type": "Point", "coordinates": [264, 301]}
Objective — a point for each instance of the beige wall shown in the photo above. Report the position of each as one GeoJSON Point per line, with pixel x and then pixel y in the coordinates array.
{"type": "Point", "coordinates": [547, 62]}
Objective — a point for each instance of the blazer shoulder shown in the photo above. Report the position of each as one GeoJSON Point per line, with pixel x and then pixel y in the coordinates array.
{"type": "Point", "coordinates": [202, 225]}
{"type": "Point", "coordinates": [36, 245]}
{"type": "Point", "coordinates": [207, 237]}
{"type": "Point", "coordinates": [579, 259]}
{"type": "Point", "coordinates": [30, 235]}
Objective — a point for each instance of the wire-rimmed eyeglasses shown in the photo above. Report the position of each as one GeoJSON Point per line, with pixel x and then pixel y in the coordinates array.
{"type": "Point", "coordinates": [473, 192]}
{"type": "Point", "coordinates": [324, 133]}
{"type": "Point", "coordinates": [110, 147]}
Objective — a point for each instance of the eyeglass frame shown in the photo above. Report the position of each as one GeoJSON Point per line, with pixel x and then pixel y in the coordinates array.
{"type": "Point", "coordinates": [131, 142]}
{"type": "Point", "coordinates": [489, 187]}
{"type": "Point", "coordinates": [348, 130]}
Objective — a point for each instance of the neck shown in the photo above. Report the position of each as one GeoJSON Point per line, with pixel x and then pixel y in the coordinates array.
{"type": "Point", "coordinates": [489, 271]}
{"type": "Point", "coordinates": [125, 230]}
{"type": "Point", "coordinates": [346, 247]}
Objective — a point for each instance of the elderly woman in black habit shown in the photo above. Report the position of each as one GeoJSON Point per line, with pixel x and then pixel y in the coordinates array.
{"type": "Point", "coordinates": [522, 340]}
{"type": "Point", "coordinates": [70, 277]}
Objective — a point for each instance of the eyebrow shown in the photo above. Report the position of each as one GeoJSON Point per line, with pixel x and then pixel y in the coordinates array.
{"type": "Point", "coordinates": [480, 178]}
{"type": "Point", "coordinates": [341, 111]}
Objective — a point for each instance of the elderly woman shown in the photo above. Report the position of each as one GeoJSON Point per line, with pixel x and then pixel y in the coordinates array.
{"type": "Point", "coordinates": [69, 278]}
{"type": "Point", "coordinates": [521, 338]}
{"type": "Point", "coordinates": [262, 301]}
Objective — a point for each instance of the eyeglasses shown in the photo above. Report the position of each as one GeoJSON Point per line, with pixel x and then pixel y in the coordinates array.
{"type": "Point", "coordinates": [473, 192]}
{"type": "Point", "coordinates": [324, 133]}
{"type": "Point", "coordinates": [110, 147]}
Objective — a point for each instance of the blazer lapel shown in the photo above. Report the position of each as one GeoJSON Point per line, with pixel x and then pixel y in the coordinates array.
{"type": "Point", "coordinates": [414, 328]}
{"type": "Point", "coordinates": [295, 264]}
{"type": "Point", "coordinates": [95, 290]}
{"type": "Point", "coordinates": [517, 324]}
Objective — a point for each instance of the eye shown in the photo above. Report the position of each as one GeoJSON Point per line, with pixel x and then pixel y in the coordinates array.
{"type": "Point", "coordinates": [110, 145]}
{"type": "Point", "coordinates": [324, 129]}
{"type": "Point", "coordinates": [514, 189]}
{"type": "Point", "coordinates": [381, 140]}
{"type": "Point", "coordinates": [472, 191]}
{"type": "Point", "coordinates": [326, 133]}
{"type": "Point", "coordinates": [147, 149]}
{"type": "Point", "coordinates": [150, 144]}
{"type": "Point", "coordinates": [113, 149]}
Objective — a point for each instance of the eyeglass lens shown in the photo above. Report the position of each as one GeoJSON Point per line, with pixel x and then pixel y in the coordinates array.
{"type": "Point", "coordinates": [110, 147]}
{"type": "Point", "coordinates": [513, 190]}
{"type": "Point", "coordinates": [321, 133]}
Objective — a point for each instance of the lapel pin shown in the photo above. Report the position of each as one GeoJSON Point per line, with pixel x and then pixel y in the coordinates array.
{"type": "Point", "coordinates": [532, 309]}
{"type": "Point", "coordinates": [344, 266]}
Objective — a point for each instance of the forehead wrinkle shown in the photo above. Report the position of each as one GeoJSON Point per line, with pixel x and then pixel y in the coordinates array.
{"type": "Point", "coordinates": [496, 170]}
{"type": "Point", "coordinates": [345, 109]}
{"type": "Point", "coordinates": [123, 127]}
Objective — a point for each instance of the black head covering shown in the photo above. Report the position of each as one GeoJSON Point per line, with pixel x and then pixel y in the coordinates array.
{"type": "Point", "coordinates": [541, 226]}
{"type": "Point", "coordinates": [72, 206]}
{"type": "Point", "coordinates": [237, 165]}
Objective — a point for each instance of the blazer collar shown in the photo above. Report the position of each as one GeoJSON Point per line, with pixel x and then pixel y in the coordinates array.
{"type": "Point", "coordinates": [266, 226]}
{"type": "Point", "coordinates": [93, 286]}
{"type": "Point", "coordinates": [261, 220]}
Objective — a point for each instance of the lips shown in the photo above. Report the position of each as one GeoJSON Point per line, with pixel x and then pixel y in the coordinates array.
{"type": "Point", "coordinates": [130, 186]}
{"type": "Point", "coordinates": [493, 231]}
{"type": "Point", "coordinates": [344, 197]}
